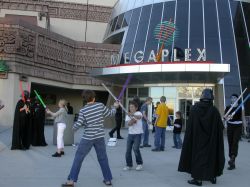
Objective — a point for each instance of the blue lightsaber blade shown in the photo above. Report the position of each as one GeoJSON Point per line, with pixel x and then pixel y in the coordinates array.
{"type": "Point", "coordinates": [239, 107]}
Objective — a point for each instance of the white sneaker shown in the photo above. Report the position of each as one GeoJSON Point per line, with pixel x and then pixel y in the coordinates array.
{"type": "Point", "coordinates": [138, 168]}
{"type": "Point", "coordinates": [127, 168]}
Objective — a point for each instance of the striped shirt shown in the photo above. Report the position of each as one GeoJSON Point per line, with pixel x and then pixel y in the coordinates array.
{"type": "Point", "coordinates": [91, 117]}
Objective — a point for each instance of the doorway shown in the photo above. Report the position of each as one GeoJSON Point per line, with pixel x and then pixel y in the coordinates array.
{"type": "Point", "coordinates": [185, 106]}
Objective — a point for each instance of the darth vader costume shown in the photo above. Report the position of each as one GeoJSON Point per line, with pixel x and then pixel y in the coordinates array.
{"type": "Point", "coordinates": [203, 148]}
{"type": "Point", "coordinates": [21, 136]}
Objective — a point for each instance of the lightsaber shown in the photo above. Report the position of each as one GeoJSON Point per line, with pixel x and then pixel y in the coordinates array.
{"type": "Point", "coordinates": [225, 116]}
{"type": "Point", "coordinates": [115, 98]}
{"type": "Point", "coordinates": [40, 99]}
{"type": "Point", "coordinates": [238, 108]}
{"type": "Point", "coordinates": [125, 86]}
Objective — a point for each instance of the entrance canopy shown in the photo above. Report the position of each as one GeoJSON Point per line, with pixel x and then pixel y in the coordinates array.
{"type": "Point", "coordinates": [148, 73]}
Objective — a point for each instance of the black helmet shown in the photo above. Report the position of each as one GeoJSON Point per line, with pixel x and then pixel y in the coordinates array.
{"type": "Point", "coordinates": [207, 95]}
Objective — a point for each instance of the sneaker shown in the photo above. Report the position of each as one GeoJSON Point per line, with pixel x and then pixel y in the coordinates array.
{"type": "Point", "coordinates": [231, 167]}
{"type": "Point", "coordinates": [127, 168]}
{"type": "Point", "coordinates": [56, 154]}
{"type": "Point", "coordinates": [138, 167]}
{"type": "Point", "coordinates": [141, 146]}
{"type": "Point", "coordinates": [119, 137]}
{"type": "Point", "coordinates": [146, 145]}
{"type": "Point", "coordinates": [162, 149]}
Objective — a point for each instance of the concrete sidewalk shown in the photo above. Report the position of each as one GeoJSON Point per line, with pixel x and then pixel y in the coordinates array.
{"type": "Point", "coordinates": [36, 167]}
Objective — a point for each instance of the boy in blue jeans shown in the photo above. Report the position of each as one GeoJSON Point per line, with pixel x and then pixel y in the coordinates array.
{"type": "Point", "coordinates": [135, 131]}
{"type": "Point", "coordinates": [177, 131]}
{"type": "Point", "coordinates": [91, 116]}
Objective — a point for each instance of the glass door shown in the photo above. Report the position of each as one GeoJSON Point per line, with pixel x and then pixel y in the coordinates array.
{"type": "Point", "coordinates": [185, 106]}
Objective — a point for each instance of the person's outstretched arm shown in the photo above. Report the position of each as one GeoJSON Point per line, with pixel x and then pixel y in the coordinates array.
{"type": "Point", "coordinates": [81, 121]}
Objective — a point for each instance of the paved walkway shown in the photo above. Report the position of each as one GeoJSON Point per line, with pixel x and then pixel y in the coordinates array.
{"type": "Point", "coordinates": [36, 167]}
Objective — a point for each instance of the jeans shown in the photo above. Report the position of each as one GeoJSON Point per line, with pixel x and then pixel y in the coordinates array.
{"type": "Point", "coordinates": [133, 142]}
{"type": "Point", "coordinates": [83, 149]}
{"type": "Point", "coordinates": [145, 133]}
{"type": "Point", "coordinates": [160, 137]}
{"type": "Point", "coordinates": [177, 140]}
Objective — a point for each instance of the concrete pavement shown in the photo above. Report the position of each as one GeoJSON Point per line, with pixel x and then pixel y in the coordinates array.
{"type": "Point", "coordinates": [36, 167]}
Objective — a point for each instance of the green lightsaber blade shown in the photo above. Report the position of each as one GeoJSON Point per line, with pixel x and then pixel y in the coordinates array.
{"type": "Point", "coordinates": [40, 99]}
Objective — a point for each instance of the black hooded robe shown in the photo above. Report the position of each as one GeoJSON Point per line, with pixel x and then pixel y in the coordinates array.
{"type": "Point", "coordinates": [203, 148]}
{"type": "Point", "coordinates": [38, 121]}
{"type": "Point", "coordinates": [21, 135]}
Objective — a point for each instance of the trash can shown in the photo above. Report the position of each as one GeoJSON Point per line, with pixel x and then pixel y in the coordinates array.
{"type": "Point", "coordinates": [68, 136]}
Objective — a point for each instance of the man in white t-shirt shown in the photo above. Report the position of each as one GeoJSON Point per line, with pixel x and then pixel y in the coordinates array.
{"type": "Point", "coordinates": [135, 131]}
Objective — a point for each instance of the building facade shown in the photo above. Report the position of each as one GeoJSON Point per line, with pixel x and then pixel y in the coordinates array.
{"type": "Point", "coordinates": [175, 34]}
{"type": "Point", "coordinates": [51, 46]}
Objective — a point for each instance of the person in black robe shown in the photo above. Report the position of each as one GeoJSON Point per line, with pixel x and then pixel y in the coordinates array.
{"type": "Point", "coordinates": [38, 121]}
{"type": "Point", "coordinates": [21, 135]}
{"type": "Point", "coordinates": [70, 109]}
{"type": "Point", "coordinates": [118, 120]}
{"type": "Point", "coordinates": [203, 148]}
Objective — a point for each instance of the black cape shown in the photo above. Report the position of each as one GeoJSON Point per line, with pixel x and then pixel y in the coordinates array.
{"type": "Point", "coordinates": [38, 121]}
{"type": "Point", "coordinates": [21, 135]}
{"type": "Point", "coordinates": [203, 148]}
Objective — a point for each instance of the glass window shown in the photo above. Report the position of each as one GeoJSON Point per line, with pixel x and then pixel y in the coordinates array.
{"type": "Point", "coordinates": [114, 24]}
{"type": "Point", "coordinates": [156, 92]}
{"type": "Point", "coordinates": [126, 19]}
{"type": "Point", "coordinates": [246, 8]}
{"type": "Point", "coordinates": [228, 48]}
{"type": "Point", "coordinates": [152, 43]}
{"type": "Point", "coordinates": [142, 30]}
{"type": "Point", "coordinates": [131, 35]}
{"type": "Point", "coordinates": [143, 92]}
{"type": "Point", "coordinates": [185, 92]}
{"type": "Point", "coordinates": [196, 26]}
{"type": "Point", "coordinates": [119, 22]}
{"type": "Point", "coordinates": [181, 42]}
{"type": "Point", "coordinates": [170, 92]}
{"type": "Point", "coordinates": [132, 92]}
{"type": "Point", "coordinates": [212, 33]}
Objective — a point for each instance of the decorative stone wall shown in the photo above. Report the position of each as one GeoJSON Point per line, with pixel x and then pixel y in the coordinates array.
{"type": "Point", "coordinates": [62, 9]}
{"type": "Point", "coordinates": [33, 51]}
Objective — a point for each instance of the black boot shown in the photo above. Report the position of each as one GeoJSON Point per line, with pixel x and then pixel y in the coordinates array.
{"type": "Point", "coordinates": [213, 180]}
{"type": "Point", "coordinates": [110, 134]}
{"type": "Point", "coordinates": [195, 182]}
{"type": "Point", "coordinates": [231, 163]}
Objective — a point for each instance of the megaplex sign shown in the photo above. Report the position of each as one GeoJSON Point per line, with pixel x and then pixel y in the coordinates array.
{"type": "Point", "coordinates": [165, 32]}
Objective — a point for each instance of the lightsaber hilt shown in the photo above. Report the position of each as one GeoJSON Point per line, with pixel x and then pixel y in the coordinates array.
{"type": "Point", "coordinates": [40, 99]}
{"type": "Point", "coordinates": [230, 109]}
